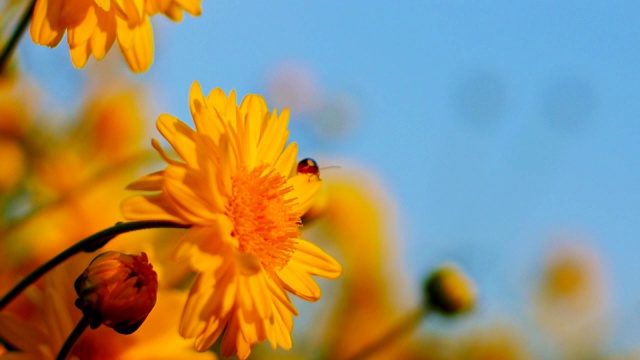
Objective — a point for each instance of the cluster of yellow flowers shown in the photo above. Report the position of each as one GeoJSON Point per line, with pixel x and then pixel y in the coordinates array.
{"type": "Point", "coordinates": [92, 26]}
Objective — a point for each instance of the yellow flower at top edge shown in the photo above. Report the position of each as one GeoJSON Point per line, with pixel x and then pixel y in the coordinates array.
{"type": "Point", "coordinates": [93, 26]}
{"type": "Point", "coordinates": [236, 183]}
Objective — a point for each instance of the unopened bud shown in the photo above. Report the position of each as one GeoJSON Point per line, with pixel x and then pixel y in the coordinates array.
{"type": "Point", "coordinates": [117, 290]}
{"type": "Point", "coordinates": [449, 291]}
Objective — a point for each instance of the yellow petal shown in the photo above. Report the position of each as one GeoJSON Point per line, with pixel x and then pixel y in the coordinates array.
{"type": "Point", "coordinates": [314, 261]}
{"type": "Point", "coordinates": [299, 282]}
{"type": "Point", "coordinates": [104, 35]}
{"type": "Point", "coordinates": [150, 207]}
{"type": "Point", "coordinates": [81, 32]}
{"type": "Point", "coordinates": [45, 27]}
{"type": "Point", "coordinates": [104, 4]}
{"type": "Point", "coordinates": [206, 119]}
{"type": "Point", "coordinates": [139, 55]}
{"type": "Point", "coordinates": [205, 247]}
{"type": "Point", "coordinates": [174, 13]}
{"type": "Point", "coordinates": [230, 339]}
{"type": "Point", "coordinates": [180, 136]}
{"type": "Point", "coordinates": [305, 189]}
{"type": "Point", "coordinates": [285, 164]}
{"type": "Point", "coordinates": [273, 138]}
{"type": "Point", "coordinates": [80, 55]}
{"type": "Point", "coordinates": [188, 195]}
{"type": "Point", "coordinates": [123, 33]}
{"type": "Point", "coordinates": [151, 182]}
{"type": "Point", "coordinates": [134, 10]}
{"type": "Point", "coordinates": [74, 12]}
{"type": "Point", "coordinates": [254, 112]}
{"type": "Point", "coordinates": [193, 7]}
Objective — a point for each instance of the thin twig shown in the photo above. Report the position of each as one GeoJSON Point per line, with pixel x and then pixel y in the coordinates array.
{"type": "Point", "coordinates": [15, 37]}
{"type": "Point", "coordinates": [65, 351]}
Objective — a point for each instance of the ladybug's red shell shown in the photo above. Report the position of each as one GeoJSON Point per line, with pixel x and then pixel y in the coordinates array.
{"type": "Point", "coordinates": [308, 166]}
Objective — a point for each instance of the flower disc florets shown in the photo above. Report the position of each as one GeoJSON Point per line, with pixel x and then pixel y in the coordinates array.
{"type": "Point", "coordinates": [264, 222]}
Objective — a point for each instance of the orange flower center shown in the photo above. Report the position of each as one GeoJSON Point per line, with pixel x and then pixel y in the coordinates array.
{"type": "Point", "coordinates": [263, 220]}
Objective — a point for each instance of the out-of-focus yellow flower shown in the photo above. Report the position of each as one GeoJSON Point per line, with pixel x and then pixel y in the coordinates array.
{"type": "Point", "coordinates": [491, 342]}
{"type": "Point", "coordinates": [43, 337]}
{"type": "Point", "coordinates": [13, 160]}
{"type": "Point", "coordinates": [107, 137]}
{"type": "Point", "coordinates": [15, 121]}
{"type": "Point", "coordinates": [236, 184]}
{"type": "Point", "coordinates": [114, 124]}
{"type": "Point", "coordinates": [357, 214]}
{"type": "Point", "coordinates": [92, 26]}
{"type": "Point", "coordinates": [571, 301]}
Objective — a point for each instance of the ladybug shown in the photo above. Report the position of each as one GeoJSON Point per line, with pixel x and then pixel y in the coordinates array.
{"type": "Point", "coordinates": [308, 166]}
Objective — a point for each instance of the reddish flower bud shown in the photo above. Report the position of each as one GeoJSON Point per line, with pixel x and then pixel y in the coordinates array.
{"type": "Point", "coordinates": [117, 290]}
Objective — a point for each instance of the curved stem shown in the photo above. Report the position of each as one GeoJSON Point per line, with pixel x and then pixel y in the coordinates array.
{"type": "Point", "coordinates": [403, 327]}
{"type": "Point", "coordinates": [89, 244]}
{"type": "Point", "coordinates": [65, 351]}
{"type": "Point", "coordinates": [15, 37]}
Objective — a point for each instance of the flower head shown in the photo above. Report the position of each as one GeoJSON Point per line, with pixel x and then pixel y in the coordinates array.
{"type": "Point", "coordinates": [117, 290]}
{"type": "Point", "coordinates": [236, 183]}
{"type": "Point", "coordinates": [93, 26]}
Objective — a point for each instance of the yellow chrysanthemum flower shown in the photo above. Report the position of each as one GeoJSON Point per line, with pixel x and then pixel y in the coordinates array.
{"type": "Point", "coordinates": [92, 26]}
{"type": "Point", "coordinates": [236, 184]}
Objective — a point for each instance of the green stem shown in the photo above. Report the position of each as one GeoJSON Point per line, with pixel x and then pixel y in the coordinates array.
{"type": "Point", "coordinates": [89, 244]}
{"type": "Point", "coordinates": [403, 327]}
{"type": "Point", "coordinates": [65, 351]}
{"type": "Point", "coordinates": [15, 37]}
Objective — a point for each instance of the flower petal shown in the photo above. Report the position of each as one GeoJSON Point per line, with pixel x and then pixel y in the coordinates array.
{"type": "Point", "coordinates": [285, 164]}
{"type": "Point", "coordinates": [45, 23]}
{"type": "Point", "coordinates": [305, 189]}
{"type": "Point", "coordinates": [81, 32]}
{"type": "Point", "coordinates": [150, 182]}
{"type": "Point", "coordinates": [80, 55]}
{"type": "Point", "coordinates": [189, 194]}
{"type": "Point", "coordinates": [274, 137]}
{"type": "Point", "coordinates": [139, 55]}
{"type": "Point", "coordinates": [313, 260]}
{"type": "Point", "coordinates": [299, 283]}
{"type": "Point", "coordinates": [150, 207]}
{"type": "Point", "coordinates": [180, 136]}
{"type": "Point", "coordinates": [104, 35]}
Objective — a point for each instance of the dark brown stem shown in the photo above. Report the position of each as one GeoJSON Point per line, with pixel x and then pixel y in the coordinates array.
{"type": "Point", "coordinates": [89, 244]}
{"type": "Point", "coordinates": [15, 37]}
{"type": "Point", "coordinates": [65, 351]}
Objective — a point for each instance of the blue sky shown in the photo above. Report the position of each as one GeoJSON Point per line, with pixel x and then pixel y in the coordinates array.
{"type": "Point", "coordinates": [495, 125]}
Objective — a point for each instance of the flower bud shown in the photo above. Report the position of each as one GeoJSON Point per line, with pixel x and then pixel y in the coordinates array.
{"type": "Point", "coordinates": [449, 291]}
{"type": "Point", "coordinates": [117, 290]}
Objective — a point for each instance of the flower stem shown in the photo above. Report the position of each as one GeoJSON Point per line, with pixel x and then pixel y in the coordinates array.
{"type": "Point", "coordinates": [65, 351]}
{"type": "Point", "coordinates": [403, 327]}
{"type": "Point", "coordinates": [89, 244]}
{"type": "Point", "coordinates": [15, 37]}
